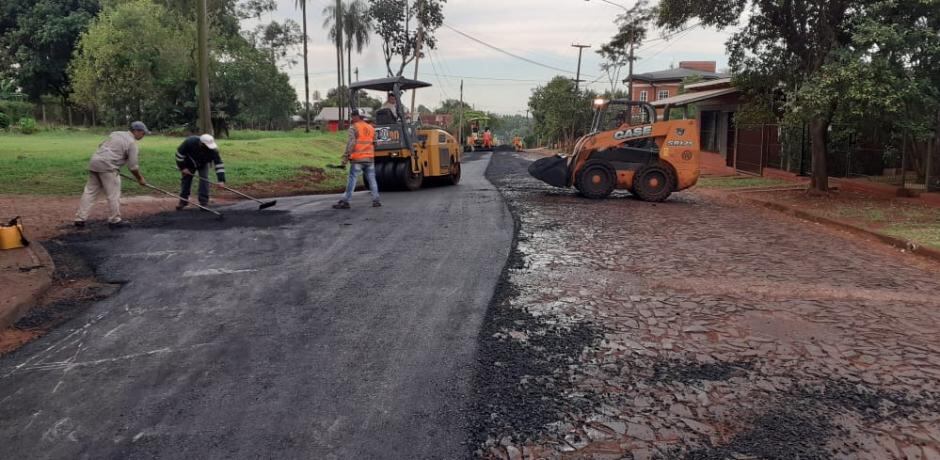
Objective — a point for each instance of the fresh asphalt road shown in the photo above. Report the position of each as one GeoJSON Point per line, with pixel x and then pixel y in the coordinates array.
{"type": "Point", "coordinates": [312, 333]}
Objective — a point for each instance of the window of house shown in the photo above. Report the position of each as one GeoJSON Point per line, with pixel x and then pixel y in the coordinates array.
{"type": "Point", "coordinates": [663, 94]}
{"type": "Point", "coordinates": [644, 96]}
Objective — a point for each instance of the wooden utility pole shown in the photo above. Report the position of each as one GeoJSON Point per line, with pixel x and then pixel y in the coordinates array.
{"type": "Point", "coordinates": [460, 123]}
{"type": "Point", "coordinates": [303, 10]}
{"type": "Point", "coordinates": [205, 112]}
{"type": "Point", "coordinates": [577, 80]}
{"type": "Point", "coordinates": [414, 92]}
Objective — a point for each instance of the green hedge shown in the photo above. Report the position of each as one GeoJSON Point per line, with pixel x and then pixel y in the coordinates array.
{"type": "Point", "coordinates": [16, 110]}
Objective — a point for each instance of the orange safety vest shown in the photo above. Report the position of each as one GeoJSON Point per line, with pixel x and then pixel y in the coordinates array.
{"type": "Point", "coordinates": [364, 150]}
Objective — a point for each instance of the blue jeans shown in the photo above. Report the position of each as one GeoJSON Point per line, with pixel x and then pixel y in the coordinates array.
{"type": "Point", "coordinates": [186, 185]}
{"type": "Point", "coordinates": [354, 169]}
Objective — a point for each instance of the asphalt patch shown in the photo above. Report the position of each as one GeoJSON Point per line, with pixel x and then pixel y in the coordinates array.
{"type": "Point", "coordinates": [688, 373]}
{"type": "Point", "coordinates": [197, 220]}
{"type": "Point", "coordinates": [520, 386]}
{"type": "Point", "coordinates": [74, 262]}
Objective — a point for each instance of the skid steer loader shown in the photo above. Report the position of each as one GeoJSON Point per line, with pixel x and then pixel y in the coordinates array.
{"type": "Point", "coordinates": [627, 149]}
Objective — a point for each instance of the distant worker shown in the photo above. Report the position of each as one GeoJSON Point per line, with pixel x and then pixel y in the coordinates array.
{"type": "Point", "coordinates": [118, 149]}
{"type": "Point", "coordinates": [391, 104]}
{"type": "Point", "coordinates": [360, 152]}
{"type": "Point", "coordinates": [193, 157]}
{"type": "Point", "coordinates": [487, 139]}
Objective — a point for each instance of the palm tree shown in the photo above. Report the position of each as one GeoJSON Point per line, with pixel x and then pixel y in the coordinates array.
{"type": "Point", "coordinates": [358, 27]}
{"type": "Point", "coordinates": [302, 4]}
{"type": "Point", "coordinates": [333, 22]}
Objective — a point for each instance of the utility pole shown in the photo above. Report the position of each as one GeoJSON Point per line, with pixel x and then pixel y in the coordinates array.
{"type": "Point", "coordinates": [460, 123]}
{"type": "Point", "coordinates": [303, 10]}
{"type": "Point", "coordinates": [205, 113]}
{"type": "Point", "coordinates": [414, 92]}
{"type": "Point", "coordinates": [577, 81]}
{"type": "Point", "coordinates": [357, 74]}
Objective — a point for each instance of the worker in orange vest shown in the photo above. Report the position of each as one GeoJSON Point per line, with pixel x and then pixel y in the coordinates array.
{"type": "Point", "coordinates": [360, 152]}
{"type": "Point", "coordinates": [487, 139]}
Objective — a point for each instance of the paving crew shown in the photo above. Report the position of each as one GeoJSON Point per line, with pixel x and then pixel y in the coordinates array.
{"type": "Point", "coordinates": [193, 157]}
{"type": "Point", "coordinates": [360, 152]}
{"type": "Point", "coordinates": [119, 149]}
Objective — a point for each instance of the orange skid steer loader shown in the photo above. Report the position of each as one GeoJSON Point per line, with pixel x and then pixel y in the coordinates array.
{"type": "Point", "coordinates": [627, 149]}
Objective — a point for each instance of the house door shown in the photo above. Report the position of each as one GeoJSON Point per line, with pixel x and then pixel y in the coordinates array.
{"type": "Point", "coordinates": [730, 135]}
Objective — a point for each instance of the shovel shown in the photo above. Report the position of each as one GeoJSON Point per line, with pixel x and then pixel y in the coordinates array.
{"type": "Point", "coordinates": [262, 204]}
{"type": "Point", "coordinates": [217, 213]}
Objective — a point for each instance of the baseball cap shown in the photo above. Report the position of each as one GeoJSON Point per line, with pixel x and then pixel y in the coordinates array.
{"type": "Point", "coordinates": [208, 141]}
{"type": "Point", "coordinates": [139, 126]}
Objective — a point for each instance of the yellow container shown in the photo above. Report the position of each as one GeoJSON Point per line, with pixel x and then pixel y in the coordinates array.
{"type": "Point", "coordinates": [11, 235]}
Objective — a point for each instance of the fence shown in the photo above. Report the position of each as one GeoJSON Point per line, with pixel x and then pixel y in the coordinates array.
{"type": "Point", "coordinates": [873, 155]}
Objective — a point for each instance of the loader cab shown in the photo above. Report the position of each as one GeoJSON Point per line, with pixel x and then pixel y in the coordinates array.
{"type": "Point", "coordinates": [617, 113]}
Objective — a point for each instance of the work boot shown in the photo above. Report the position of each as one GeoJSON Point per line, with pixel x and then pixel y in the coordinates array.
{"type": "Point", "coordinates": [341, 205]}
{"type": "Point", "coordinates": [79, 224]}
{"type": "Point", "coordinates": [376, 204]}
{"type": "Point", "coordinates": [181, 206]}
{"type": "Point", "coordinates": [118, 225]}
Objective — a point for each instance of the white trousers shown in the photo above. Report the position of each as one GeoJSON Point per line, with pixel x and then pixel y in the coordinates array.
{"type": "Point", "coordinates": [110, 184]}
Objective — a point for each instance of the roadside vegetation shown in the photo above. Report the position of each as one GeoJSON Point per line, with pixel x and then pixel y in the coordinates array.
{"type": "Point", "coordinates": [55, 162]}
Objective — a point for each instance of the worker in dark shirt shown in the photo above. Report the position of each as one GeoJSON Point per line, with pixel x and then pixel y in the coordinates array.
{"type": "Point", "coordinates": [193, 157]}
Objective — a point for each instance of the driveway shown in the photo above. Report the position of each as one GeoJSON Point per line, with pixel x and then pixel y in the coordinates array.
{"type": "Point", "coordinates": [298, 332]}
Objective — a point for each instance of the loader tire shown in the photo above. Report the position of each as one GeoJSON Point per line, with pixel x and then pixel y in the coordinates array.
{"type": "Point", "coordinates": [653, 183]}
{"type": "Point", "coordinates": [596, 180]}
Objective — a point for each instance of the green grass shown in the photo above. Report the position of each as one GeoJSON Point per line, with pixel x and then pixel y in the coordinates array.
{"type": "Point", "coordinates": [55, 162]}
{"type": "Point", "coordinates": [733, 182]}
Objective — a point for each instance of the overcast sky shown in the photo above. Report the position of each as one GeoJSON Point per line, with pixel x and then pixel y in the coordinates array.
{"type": "Point", "coordinates": [540, 30]}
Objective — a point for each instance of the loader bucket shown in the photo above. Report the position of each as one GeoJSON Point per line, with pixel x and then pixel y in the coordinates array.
{"type": "Point", "coordinates": [551, 170]}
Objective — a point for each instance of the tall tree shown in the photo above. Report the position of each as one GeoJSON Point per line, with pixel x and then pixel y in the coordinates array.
{"type": "Point", "coordinates": [632, 27]}
{"type": "Point", "coordinates": [130, 81]}
{"type": "Point", "coordinates": [357, 29]}
{"type": "Point", "coordinates": [302, 4]}
{"type": "Point", "coordinates": [37, 39]}
{"type": "Point", "coordinates": [333, 22]}
{"type": "Point", "coordinates": [788, 41]}
{"type": "Point", "coordinates": [393, 23]}
{"type": "Point", "coordinates": [561, 113]}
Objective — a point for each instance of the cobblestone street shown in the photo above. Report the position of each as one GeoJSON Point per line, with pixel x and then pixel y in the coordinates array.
{"type": "Point", "coordinates": [701, 330]}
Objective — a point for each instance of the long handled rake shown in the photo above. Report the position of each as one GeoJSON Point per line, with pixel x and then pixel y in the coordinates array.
{"type": "Point", "coordinates": [262, 204]}
{"type": "Point", "coordinates": [152, 187]}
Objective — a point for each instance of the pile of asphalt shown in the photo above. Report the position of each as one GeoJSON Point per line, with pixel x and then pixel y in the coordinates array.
{"type": "Point", "coordinates": [199, 220]}
{"type": "Point", "coordinates": [520, 386]}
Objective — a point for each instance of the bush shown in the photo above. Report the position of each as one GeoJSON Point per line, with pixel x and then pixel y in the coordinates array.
{"type": "Point", "coordinates": [14, 110]}
{"type": "Point", "coordinates": [27, 125]}
{"type": "Point", "coordinates": [4, 121]}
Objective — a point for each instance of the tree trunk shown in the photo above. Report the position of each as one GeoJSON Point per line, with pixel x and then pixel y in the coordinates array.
{"type": "Point", "coordinates": [349, 67]}
{"type": "Point", "coordinates": [819, 136]}
{"type": "Point", "coordinates": [339, 59]}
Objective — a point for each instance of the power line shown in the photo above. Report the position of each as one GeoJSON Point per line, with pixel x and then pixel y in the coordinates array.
{"type": "Point", "coordinates": [521, 58]}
